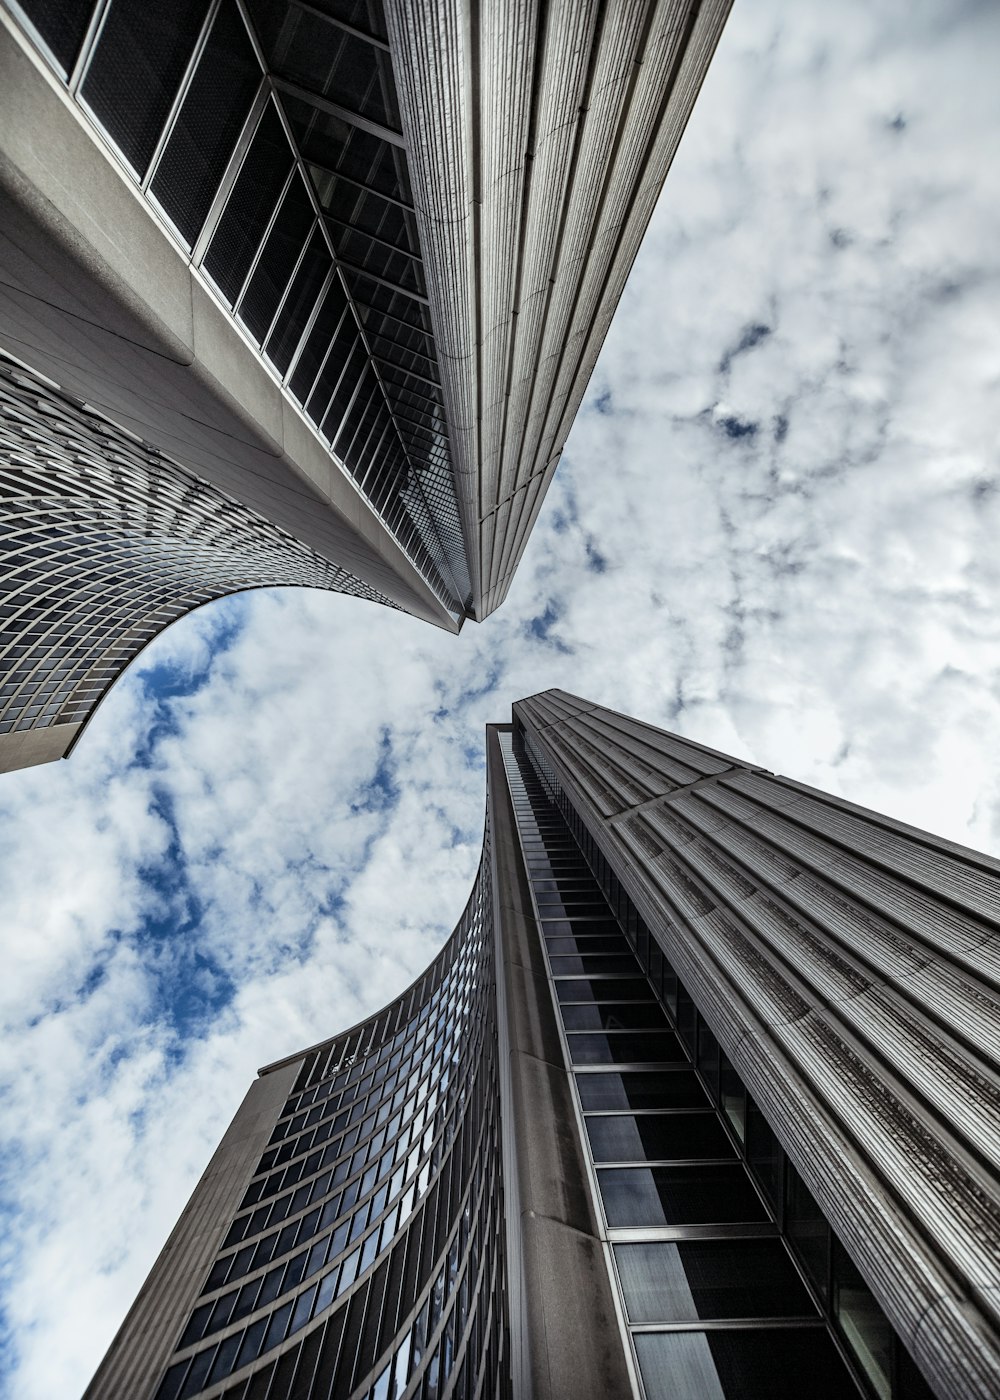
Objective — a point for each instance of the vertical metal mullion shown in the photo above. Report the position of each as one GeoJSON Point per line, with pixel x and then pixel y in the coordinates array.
{"type": "Point", "coordinates": [377, 459]}
{"type": "Point", "coordinates": [310, 322]}
{"type": "Point", "coordinates": [350, 402]}
{"type": "Point", "coordinates": [181, 93]}
{"type": "Point", "coordinates": [322, 364]}
{"type": "Point", "coordinates": [87, 47]}
{"type": "Point", "coordinates": [288, 287]}
{"type": "Point", "coordinates": [265, 236]}
{"type": "Point", "coordinates": [256, 114]}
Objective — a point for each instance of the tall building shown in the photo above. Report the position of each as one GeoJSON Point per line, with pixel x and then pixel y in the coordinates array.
{"type": "Point", "coordinates": [700, 1100]}
{"type": "Point", "coordinates": [346, 266]}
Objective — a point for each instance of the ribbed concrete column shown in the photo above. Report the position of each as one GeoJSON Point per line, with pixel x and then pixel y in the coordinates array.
{"type": "Point", "coordinates": [138, 1357]}
{"type": "Point", "coordinates": [565, 1333]}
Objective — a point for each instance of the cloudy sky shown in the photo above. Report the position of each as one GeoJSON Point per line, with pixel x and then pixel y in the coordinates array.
{"type": "Point", "coordinates": [774, 529]}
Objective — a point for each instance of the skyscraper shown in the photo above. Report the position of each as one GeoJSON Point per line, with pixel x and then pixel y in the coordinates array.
{"type": "Point", "coordinates": [699, 1100]}
{"type": "Point", "coordinates": [345, 267]}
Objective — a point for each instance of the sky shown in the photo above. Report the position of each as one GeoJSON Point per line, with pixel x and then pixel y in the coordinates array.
{"type": "Point", "coordinates": [774, 530]}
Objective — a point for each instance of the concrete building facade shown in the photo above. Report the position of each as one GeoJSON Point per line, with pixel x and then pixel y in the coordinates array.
{"type": "Point", "coordinates": [699, 1100]}
{"type": "Point", "coordinates": [349, 264]}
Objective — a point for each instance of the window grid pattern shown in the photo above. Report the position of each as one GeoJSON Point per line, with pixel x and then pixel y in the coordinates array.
{"type": "Point", "coordinates": [373, 1223]}
{"type": "Point", "coordinates": [211, 135]}
{"type": "Point", "coordinates": [664, 1268]}
{"type": "Point", "coordinates": [106, 542]}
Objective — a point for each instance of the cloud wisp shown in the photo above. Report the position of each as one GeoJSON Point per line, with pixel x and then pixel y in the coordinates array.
{"type": "Point", "coordinates": [774, 531]}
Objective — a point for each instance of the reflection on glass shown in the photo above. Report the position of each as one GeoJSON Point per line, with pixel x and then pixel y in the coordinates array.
{"type": "Point", "coordinates": [697, 1279]}
{"type": "Point", "coordinates": [638, 1089]}
{"type": "Point", "coordinates": [650, 1047]}
{"type": "Point", "coordinates": [739, 1364]}
{"type": "Point", "coordinates": [764, 1152]}
{"type": "Point", "coordinates": [614, 1016]}
{"type": "Point", "coordinates": [808, 1230]}
{"type": "Point", "coordinates": [702, 1194]}
{"type": "Point", "coordinates": [732, 1096]}
{"type": "Point", "coordinates": [862, 1321]}
{"type": "Point", "coordinates": [656, 1137]}
{"type": "Point", "coordinates": [708, 1057]}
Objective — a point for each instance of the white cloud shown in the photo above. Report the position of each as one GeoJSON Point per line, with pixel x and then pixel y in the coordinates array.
{"type": "Point", "coordinates": [820, 597]}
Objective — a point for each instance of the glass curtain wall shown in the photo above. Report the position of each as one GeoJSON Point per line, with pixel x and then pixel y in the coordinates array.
{"type": "Point", "coordinates": [366, 1257]}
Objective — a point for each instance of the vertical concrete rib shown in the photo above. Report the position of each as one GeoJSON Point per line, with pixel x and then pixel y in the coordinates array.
{"type": "Point", "coordinates": [534, 186]}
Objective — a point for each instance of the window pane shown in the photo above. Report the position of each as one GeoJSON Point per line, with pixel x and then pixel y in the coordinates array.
{"type": "Point", "coordinates": [599, 944]}
{"type": "Point", "coordinates": [250, 205]}
{"type": "Point", "coordinates": [687, 1018]}
{"type": "Point", "coordinates": [277, 261]}
{"type": "Point", "coordinates": [808, 1230]}
{"type": "Point", "coordinates": [596, 964]}
{"type": "Point", "coordinates": [210, 120]}
{"type": "Point", "coordinates": [624, 989]}
{"type": "Point", "coordinates": [695, 1195]}
{"type": "Point", "coordinates": [299, 304]}
{"type": "Point", "coordinates": [732, 1096]}
{"type": "Point", "coordinates": [678, 1089]}
{"type": "Point", "coordinates": [62, 24]}
{"type": "Point", "coordinates": [674, 1136]}
{"type": "Point", "coordinates": [136, 70]}
{"type": "Point", "coordinates": [710, 1279]}
{"type": "Point", "coordinates": [735, 1364]}
{"type": "Point", "coordinates": [708, 1056]}
{"type": "Point", "coordinates": [862, 1321]}
{"type": "Point", "coordinates": [614, 1016]}
{"type": "Point", "coordinates": [626, 1048]}
{"type": "Point", "coordinates": [764, 1153]}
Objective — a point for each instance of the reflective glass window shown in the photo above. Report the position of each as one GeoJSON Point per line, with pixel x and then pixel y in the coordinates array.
{"type": "Point", "coordinates": [764, 1153]}
{"type": "Point", "coordinates": [865, 1326]}
{"type": "Point", "coordinates": [278, 260]}
{"type": "Point", "coordinates": [136, 70]}
{"type": "Point", "coordinates": [62, 24]}
{"type": "Point", "coordinates": [594, 965]}
{"type": "Point", "coordinates": [614, 1016]}
{"type": "Point", "coordinates": [696, 1279]}
{"type": "Point", "coordinates": [624, 1048]}
{"type": "Point", "coordinates": [678, 1089]}
{"type": "Point", "coordinates": [701, 1194]}
{"type": "Point", "coordinates": [808, 1230]}
{"type": "Point", "coordinates": [250, 205]}
{"type": "Point", "coordinates": [733, 1098]}
{"type": "Point", "coordinates": [654, 1137]}
{"type": "Point", "coordinates": [622, 989]}
{"type": "Point", "coordinates": [739, 1364]}
{"type": "Point", "coordinates": [299, 303]}
{"type": "Point", "coordinates": [210, 120]}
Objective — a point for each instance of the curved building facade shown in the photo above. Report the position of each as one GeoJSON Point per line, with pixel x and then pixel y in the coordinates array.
{"type": "Point", "coordinates": [697, 1101]}
{"type": "Point", "coordinates": [349, 263]}
{"type": "Point", "coordinates": [106, 541]}
{"type": "Point", "coordinates": [359, 1248]}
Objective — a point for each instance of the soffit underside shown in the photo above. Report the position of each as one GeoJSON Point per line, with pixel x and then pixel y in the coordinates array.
{"type": "Point", "coordinates": [266, 134]}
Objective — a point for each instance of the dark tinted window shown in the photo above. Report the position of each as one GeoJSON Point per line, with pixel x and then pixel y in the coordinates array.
{"type": "Point", "coordinates": [62, 24]}
{"type": "Point", "coordinates": [657, 1137]}
{"type": "Point", "coordinates": [678, 1089]}
{"type": "Point", "coordinates": [694, 1195]}
{"type": "Point", "coordinates": [250, 206]}
{"type": "Point", "coordinates": [136, 69]}
{"type": "Point", "coordinates": [770, 1364]}
{"type": "Point", "coordinates": [710, 1279]}
{"type": "Point", "coordinates": [210, 120]}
